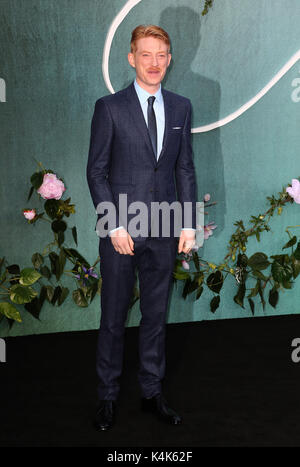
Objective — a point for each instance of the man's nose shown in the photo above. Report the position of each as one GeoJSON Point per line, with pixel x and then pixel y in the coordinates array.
{"type": "Point", "coordinates": [154, 61]}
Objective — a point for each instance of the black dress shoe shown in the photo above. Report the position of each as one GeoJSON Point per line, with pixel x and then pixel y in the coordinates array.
{"type": "Point", "coordinates": [105, 415]}
{"type": "Point", "coordinates": [159, 406]}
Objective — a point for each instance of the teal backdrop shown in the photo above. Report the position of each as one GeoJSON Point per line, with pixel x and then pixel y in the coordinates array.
{"type": "Point", "coordinates": [51, 58]}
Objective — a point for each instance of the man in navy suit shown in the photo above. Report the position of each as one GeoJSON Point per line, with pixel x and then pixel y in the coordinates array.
{"type": "Point", "coordinates": [140, 147]}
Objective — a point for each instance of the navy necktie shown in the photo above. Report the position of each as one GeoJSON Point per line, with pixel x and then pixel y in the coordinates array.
{"type": "Point", "coordinates": [152, 124]}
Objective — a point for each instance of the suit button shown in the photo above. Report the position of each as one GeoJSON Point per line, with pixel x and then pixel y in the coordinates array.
{"type": "Point", "coordinates": [155, 169]}
{"type": "Point", "coordinates": [151, 190]}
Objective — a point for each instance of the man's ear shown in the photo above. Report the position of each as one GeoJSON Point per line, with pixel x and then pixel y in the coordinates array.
{"type": "Point", "coordinates": [169, 58]}
{"type": "Point", "coordinates": [131, 59]}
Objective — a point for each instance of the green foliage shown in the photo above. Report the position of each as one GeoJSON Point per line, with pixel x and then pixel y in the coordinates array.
{"type": "Point", "coordinates": [271, 274]}
{"type": "Point", "coordinates": [208, 4]}
{"type": "Point", "coordinates": [32, 286]}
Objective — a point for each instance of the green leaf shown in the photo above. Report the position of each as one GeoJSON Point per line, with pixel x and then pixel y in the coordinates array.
{"type": "Point", "coordinates": [214, 303]}
{"type": "Point", "coordinates": [11, 312]}
{"type": "Point", "coordinates": [56, 295]}
{"type": "Point", "coordinates": [45, 271]}
{"type": "Point", "coordinates": [94, 288]}
{"type": "Point", "coordinates": [215, 281]}
{"type": "Point", "coordinates": [199, 292]}
{"type": "Point", "coordinates": [79, 298]}
{"type": "Point", "coordinates": [73, 254]}
{"type": "Point", "coordinates": [196, 260]}
{"type": "Point", "coordinates": [186, 288]}
{"type": "Point", "coordinates": [297, 252]}
{"type": "Point", "coordinates": [273, 297]}
{"type": "Point", "coordinates": [13, 269]}
{"type": "Point", "coordinates": [181, 275]}
{"type": "Point", "coordinates": [54, 262]}
{"type": "Point", "coordinates": [52, 207]}
{"type": "Point", "coordinates": [34, 307]}
{"type": "Point", "coordinates": [37, 179]}
{"type": "Point", "coordinates": [63, 295]}
{"type": "Point", "coordinates": [239, 297]}
{"type": "Point", "coordinates": [37, 260]}
{"type": "Point", "coordinates": [60, 238]}
{"type": "Point", "coordinates": [281, 259]}
{"type": "Point", "coordinates": [58, 226]}
{"type": "Point", "coordinates": [290, 243]}
{"type": "Point", "coordinates": [29, 276]}
{"type": "Point", "coordinates": [50, 293]}
{"type": "Point", "coordinates": [61, 263]}
{"type": "Point", "coordinates": [21, 294]}
{"type": "Point", "coordinates": [296, 267]}
{"type": "Point", "coordinates": [255, 290]}
{"type": "Point", "coordinates": [74, 233]}
{"type": "Point", "coordinates": [242, 260]}
{"type": "Point", "coordinates": [281, 272]}
{"type": "Point", "coordinates": [258, 261]}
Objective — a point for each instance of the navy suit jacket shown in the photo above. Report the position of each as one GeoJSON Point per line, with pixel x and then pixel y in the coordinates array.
{"type": "Point", "coordinates": [121, 157]}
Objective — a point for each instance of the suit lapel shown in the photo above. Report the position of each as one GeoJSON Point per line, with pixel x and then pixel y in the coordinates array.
{"type": "Point", "coordinates": [168, 113]}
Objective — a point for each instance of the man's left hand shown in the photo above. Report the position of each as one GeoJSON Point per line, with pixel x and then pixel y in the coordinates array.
{"type": "Point", "coordinates": [186, 241]}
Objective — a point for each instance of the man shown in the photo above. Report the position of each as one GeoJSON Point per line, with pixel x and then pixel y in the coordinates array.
{"type": "Point", "coordinates": [140, 146]}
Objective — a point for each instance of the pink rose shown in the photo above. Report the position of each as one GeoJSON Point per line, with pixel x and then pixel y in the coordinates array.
{"type": "Point", "coordinates": [207, 197]}
{"type": "Point", "coordinates": [294, 190]}
{"type": "Point", "coordinates": [29, 214]}
{"type": "Point", "coordinates": [51, 187]}
{"type": "Point", "coordinates": [208, 229]}
{"type": "Point", "coordinates": [185, 264]}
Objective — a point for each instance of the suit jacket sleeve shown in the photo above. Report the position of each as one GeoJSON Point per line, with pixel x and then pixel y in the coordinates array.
{"type": "Point", "coordinates": [102, 133]}
{"type": "Point", "coordinates": [185, 174]}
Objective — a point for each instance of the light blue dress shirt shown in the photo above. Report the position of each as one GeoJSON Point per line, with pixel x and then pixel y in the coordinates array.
{"type": "Point", "coordinates": [159, 111]}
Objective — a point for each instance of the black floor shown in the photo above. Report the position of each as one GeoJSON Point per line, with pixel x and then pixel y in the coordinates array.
{"type": "Point", "coordinates": [233, 382]}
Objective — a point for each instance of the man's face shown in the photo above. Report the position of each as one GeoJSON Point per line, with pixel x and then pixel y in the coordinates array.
{"type": "Point", "coordinates": [150, 60]}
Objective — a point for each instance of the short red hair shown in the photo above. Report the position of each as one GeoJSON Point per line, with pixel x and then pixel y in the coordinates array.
{"type": "Point", "coordinates": [149, 30]}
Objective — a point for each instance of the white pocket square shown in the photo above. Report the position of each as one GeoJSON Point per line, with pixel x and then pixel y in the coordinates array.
{"type": "Point", "coordinates": [176, 127]}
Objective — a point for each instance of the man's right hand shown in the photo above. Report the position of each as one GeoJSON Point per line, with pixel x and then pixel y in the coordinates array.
{"type": "Point", "coordinates": [122, 242]}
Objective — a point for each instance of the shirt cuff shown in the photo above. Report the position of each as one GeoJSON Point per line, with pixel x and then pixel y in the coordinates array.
{"type": "Point", "coordinates": [113, 230]}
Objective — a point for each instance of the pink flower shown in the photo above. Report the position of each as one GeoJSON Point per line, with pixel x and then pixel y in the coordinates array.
{"type": "Point", "coordinates": [208, 230]}
{"type": "Point", "coordinates": [29, 214]}
{"type": "Point", "coordinates": [294, 190]}
{"type": "Point", "coordinates": [185, 264]}
{"type": "Point", "coordinates": [207, 197]}
{"type": "Point", "coordinates": [51, 187]}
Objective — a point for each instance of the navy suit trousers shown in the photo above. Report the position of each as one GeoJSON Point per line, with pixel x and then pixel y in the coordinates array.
{"type": "Point", "coordinates": [154, 261]}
